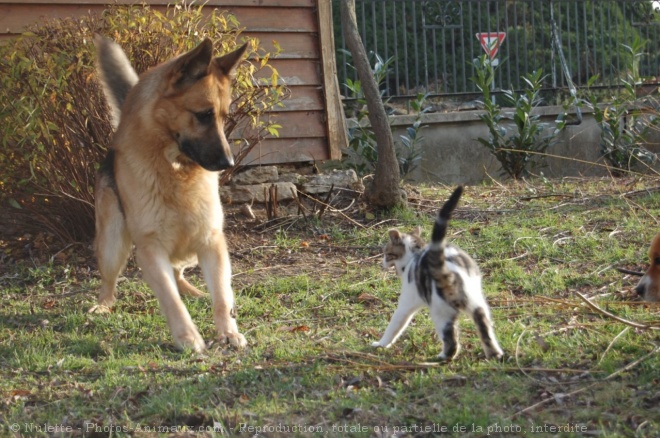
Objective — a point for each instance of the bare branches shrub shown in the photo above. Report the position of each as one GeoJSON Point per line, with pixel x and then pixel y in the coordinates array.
{"type": "Point", "coordinates": [54, 125]}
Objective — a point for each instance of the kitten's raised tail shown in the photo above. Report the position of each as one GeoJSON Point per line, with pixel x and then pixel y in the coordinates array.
{"type": "Point", "coordinates": [440, 226]}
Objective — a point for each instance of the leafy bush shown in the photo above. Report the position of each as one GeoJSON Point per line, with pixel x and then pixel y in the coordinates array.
{"type": "Point", "coordinates": [362, 152]}
{"type": "Point", "coordinates": [54, 126]}
{"type": "Point", "coordinates": [626, 119]}
{"type": "Point", "coordinates": [516, 145]}
{"type": "Point", "coordinates": [408, 151]}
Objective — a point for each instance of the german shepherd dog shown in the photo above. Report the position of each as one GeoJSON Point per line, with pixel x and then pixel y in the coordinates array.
{"type": "Point", "coordinates": [158, 186]}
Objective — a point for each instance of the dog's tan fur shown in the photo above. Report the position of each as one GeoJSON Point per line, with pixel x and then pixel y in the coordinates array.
{"type": "Point", "coordinates": [649, 286]}
{"type": "Point", "coordinates": [158, 189]}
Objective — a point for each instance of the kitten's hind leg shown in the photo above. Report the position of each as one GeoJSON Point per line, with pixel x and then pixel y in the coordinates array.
{"type": "Point", "coordinates": [409, 303]}
{"type": "Point", "coordinates": [445, 319]}
{"type": "Point", "coordinates": [486, 333]}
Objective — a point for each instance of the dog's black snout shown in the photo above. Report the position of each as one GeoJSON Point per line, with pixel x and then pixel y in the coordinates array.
{"type": "Point", "coordinates": [207, 154]}
{"type": "Point", "coordinates": [217, 164]}
{"type": "Point", "coordinates": [640, 289]}
{"type": "Point", "coordinates": [226, 163]}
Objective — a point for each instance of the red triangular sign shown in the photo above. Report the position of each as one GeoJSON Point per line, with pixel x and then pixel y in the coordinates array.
{"type": "Point", "coordinates": [491, 42]}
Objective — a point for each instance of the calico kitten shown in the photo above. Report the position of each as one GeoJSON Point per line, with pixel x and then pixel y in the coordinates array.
{"type": "Point", "coordinates": [441, 277]}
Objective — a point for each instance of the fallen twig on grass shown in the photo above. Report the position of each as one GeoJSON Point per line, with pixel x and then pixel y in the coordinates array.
{"type": "Point", "coordinates": [52, 258]}
{"type": "Point", "coordinates": [626, 271]}
{"type": "Point", "coordinates": [275, 223]}
{"type": "Point", "coordinates": [347, 357]}
{"type": "Point", "coordinates": [354, 222]}
{"type": "Point", "coordinates": [555, 300]}
{"type": "Point", "coordinates": [577, 391]}
{"type": "Point", "coordinates": [617, 318]}
{"type": "Point", "coordinates": [645, 191]}
{"type": "Point", "coordinates": [547, 195]}
{"type": "Point", "coordinates": [263, 268]}
{"type": "Point", "coordinates": [623, 332]}
{"type": "Point", "coordinates": [542, 370]}
{"type": "Point", "coordinates": [67, 294]}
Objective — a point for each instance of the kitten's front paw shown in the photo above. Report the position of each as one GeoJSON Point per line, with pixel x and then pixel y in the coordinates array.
{"type": "Point", "coordinates": [445, 357]}
{"type": "Point", "coordinates": [380, 344]}
{"type": "Point", "coordinates": [495, 354]}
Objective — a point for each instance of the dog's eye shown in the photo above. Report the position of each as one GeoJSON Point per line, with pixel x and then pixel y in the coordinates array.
{"type": "Point", "coordinates": [205, 117]}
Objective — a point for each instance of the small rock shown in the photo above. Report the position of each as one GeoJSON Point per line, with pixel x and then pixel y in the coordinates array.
{"type": "Point", "coordinates": [293, 178]}
{"type": "Point", "coordinates": [246, 210]}
{"type": "Point", "coordinates": [346, 179]}
{"type": "Point", "coordinates": [239, 194]}
{"type": "Point", "coordinates": [256, 175]}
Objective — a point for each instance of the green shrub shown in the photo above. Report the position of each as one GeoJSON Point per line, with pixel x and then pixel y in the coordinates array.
{"type": "Point", "coordinates": [362, 152]}
{"type": "Point", "coordinates": [518, 145]}
{"type": "Point", "coordinates": [625, 120]}
{"type": "Point", "coordinates": [54, 124]}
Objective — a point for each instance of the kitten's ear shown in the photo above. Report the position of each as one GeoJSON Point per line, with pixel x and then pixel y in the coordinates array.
{"type": "Point", "coordinates": [395, 235]}
{"type": "Point", "coordinates": [417, 231]}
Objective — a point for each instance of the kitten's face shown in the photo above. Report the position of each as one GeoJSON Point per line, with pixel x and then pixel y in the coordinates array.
{"type": "Point", "coordinates": [400, 248]}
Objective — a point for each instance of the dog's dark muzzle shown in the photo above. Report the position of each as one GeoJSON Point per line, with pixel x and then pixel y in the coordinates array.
{"type": "Point", "coordinates": [210, 155]}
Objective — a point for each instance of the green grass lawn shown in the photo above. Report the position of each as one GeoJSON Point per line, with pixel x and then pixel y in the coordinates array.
{"type": "Point", "coordinates": [311, 298]}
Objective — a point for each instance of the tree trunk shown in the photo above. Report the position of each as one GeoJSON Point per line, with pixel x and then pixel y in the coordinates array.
{"type": "Point", "coordinates": [384, 191]}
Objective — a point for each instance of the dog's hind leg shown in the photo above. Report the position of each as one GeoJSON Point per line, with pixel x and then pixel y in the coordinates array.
{"type": "Point", "coordinates": [214, 261]}
{"type": "Point", "coordinates": [186, 288]}
{"type": "Point", "coordinates": [159, 275]}
{"type": "Point", "coordinates": [112, 243]}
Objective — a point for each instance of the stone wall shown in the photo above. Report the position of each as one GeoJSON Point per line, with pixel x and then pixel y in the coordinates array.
{"type": "Point", "coordinates": [451, 153]}
{"type": "Point", "coordinates": [254, 183]}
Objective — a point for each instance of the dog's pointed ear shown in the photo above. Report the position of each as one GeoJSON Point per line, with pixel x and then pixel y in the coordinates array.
{"type": "Point", "coordinates": [194, 65]}
{"type": "Point", "coordinates": [654, 250]}
{"type": "Point", "coordinates": [228, 63]}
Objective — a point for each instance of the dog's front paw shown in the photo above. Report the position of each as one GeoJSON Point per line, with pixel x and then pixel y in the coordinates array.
{"type": "Point", "coordinates": [100, 308]}
{"type": "Point", "coordinates": [190, 340]}
{"type": "Point", "coordinates": [234, 338]}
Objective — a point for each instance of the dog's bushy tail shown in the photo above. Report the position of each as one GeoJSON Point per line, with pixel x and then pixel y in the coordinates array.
{"type": "Point", "coordinates": [116, 74]}
{"type": "Point", "coordinates": [440, 226]}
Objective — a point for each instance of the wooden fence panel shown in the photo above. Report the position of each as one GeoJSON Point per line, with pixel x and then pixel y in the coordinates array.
{"type": "Point", "coordinates": [312, 121]}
